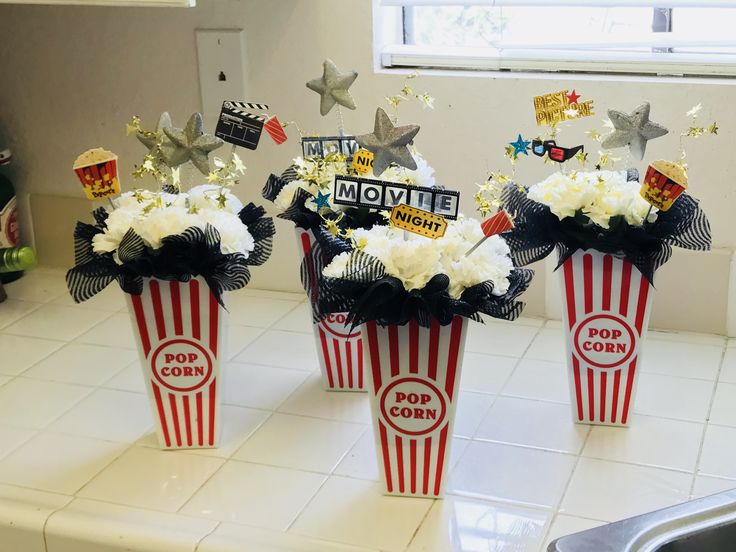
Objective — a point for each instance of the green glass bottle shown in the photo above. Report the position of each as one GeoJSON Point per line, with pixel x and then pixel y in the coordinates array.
{"type": "Point", "coordinates": [15, 259]}
{"type": "Point", "coordinates": [9, 235]}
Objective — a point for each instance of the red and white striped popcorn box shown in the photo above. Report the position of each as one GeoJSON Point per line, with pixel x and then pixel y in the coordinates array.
{"type": "Point", "coordinates": [339, 349]}
{"type": "Point", "coordinates": [606, 303]}
{"type": "Point", "coordinates": [180, 329]}
{"type": "Point", "coordinates": [413, 377]}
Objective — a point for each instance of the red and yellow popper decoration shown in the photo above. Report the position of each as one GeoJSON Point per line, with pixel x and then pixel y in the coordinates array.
{"type": "Point", "coordinates": [663, 183]}
{"type": "Point", "coordinates": [97, 170]}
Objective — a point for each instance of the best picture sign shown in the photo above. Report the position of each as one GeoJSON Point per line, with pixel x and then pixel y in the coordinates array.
{"type": "Point", "coordinates": [378, 194]}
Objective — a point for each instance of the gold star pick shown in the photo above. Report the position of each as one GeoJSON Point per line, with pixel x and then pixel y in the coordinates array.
{"type": "Point", "coordinates": [239, 166]}
{"type": "Point", "coordinates": [176, 177]}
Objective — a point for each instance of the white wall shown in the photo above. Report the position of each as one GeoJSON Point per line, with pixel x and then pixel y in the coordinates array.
{"type": "Point", "coordinates": [71, 77]}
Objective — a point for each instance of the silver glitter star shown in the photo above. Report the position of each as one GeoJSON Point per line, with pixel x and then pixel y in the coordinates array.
{"type": "Point", "coordinates": [633, 130]}
{"type": "Point", "coordinates": [190, 144]}
{"type": "Point", "coordinates": [388, 143]}
{"type": "Point", "coordinates": [333, 87]}
{"type": "Point", "coordinates": [152, 139]}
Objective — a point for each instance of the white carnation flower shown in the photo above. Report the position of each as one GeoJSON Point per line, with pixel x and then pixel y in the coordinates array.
{"type": "Point", "coordinates": [234, 235]}
{"type": "Point", "coordinates": [160, 223]}
{"type": "Point", "coordinates": [286, 196]}
{"type": "Point", "coordinates": [337, 267]}
{"type": "Point", "coordinates": [118, 223]}
{"type": "Point", "coordinates": [600, 195]}
{"type": "Point", "coordinates": [415, 260]}
{"type": "Point", "coordinates": [422, 176]}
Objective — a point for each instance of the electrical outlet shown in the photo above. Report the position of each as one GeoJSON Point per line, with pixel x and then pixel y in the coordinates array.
{"type": "Point", "coordinates": [221, 74]}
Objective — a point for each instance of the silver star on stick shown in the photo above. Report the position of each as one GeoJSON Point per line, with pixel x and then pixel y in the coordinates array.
{"type": "Point", "coordinates": [190, 144]}
{"type": "Point", "coordinates": [333, 87]}
{"type": "Point", "coordinates": [633, 130]}
{"type": "Point", "coordinates": [388, 143]}
{"type": "Point", "coordinates": [152, 139]}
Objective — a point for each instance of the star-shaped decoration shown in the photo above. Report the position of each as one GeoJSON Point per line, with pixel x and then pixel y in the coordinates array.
{"type": "Point", "coordinates": [176, 177]}
{"type": "Point", "coordinates": [389, 143]}
{"type": "Point", "coordinates": [333, 87]}
{"type": "Point", "coordinates": [572, 97]}
{"type": "Point", "coordinates": [152, 139]}
{"type": "Point", "coordinates": [520, 146]}
{"type": "Point", "coordinates": [190, 144]}
{"type": "Point", "coordinates": [633, 130]}
{"type": "Point", "coordinates": [238, 164]}
{"type": "Point", "coordinates": [322, 200]}
{"type": "Point", "coordinates": [331, 225]}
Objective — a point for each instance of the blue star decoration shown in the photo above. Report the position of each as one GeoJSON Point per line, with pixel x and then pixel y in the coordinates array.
{"type": "Point", "coordinates": [520, 146]}
{"type": "Point", "coordinates": [322, 200]}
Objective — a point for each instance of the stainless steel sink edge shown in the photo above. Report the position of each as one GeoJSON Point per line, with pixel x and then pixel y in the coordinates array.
{"type": "Point", "coordinates": [649, 532]}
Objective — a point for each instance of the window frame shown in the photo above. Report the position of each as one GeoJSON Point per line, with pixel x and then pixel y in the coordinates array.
{"type": "Point", "coordinates": [391, 53]}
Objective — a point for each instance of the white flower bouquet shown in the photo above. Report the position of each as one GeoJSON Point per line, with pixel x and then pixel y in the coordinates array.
{"type": "Point", "coordinates": [172, 234]}
{"type": "Point", "coordinates": [604, 198]}
{"type": "Point", "coordinates": [393, 277]}
{"type": "Point", "coordinates": [175, 252]}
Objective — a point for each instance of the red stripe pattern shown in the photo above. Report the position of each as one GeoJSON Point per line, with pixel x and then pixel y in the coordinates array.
{"type": "Point", "coordinates": [498, 223]}
{"type": "Point", "coordinates": [606, 303]}
{"type": "Point", "coordinates": [171, 320]}
{"type": "Point", "coordinates": [275, 130]}
{"type": "Point", "coordinates": [339, 349]}
{"type": "Point", "coordinates": [413, 375]}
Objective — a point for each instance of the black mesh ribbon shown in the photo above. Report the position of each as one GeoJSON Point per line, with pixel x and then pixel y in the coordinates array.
{"type": "Point", "coordinates": [538, 231]}
{"type": "Point", "coordinates": [303, 217]}
{"type": "Point", "coordinates": [325, 248]}
{"type": "Point", "coordinates": [367, 292]}
{"type": "Point", "coordinates": [194, 252]}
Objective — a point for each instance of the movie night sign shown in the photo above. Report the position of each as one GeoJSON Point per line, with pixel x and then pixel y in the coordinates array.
{"type": "Point", "coordinates": [379, 194]}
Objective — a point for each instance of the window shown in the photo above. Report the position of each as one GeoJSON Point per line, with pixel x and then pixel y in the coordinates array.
{"type": "Point", "coordinates": [132, 3]}
{"type": "Point", "coordinates": [670, 37]}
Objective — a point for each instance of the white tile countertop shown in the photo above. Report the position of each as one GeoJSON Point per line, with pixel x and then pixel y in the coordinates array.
{"type": "Point", "coordinates": [80, 470]}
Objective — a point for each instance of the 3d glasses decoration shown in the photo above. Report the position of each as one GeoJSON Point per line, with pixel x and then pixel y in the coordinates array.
{"type": "Point", "coordinates": [553, 151]}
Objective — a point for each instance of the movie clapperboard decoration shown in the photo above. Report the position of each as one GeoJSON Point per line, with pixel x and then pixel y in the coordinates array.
{"type": "Point", "coordinates": [240, 127]}
{"type": "Point", "coordinates": [379, 194]}
{"type": "Point", "coordinates": [322, 146]}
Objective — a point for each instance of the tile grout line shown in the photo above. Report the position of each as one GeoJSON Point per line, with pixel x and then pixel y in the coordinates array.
{"type": "Point", "coordinates": [328, 476]}
{"type": "Point", "coordinates": [508, 378]}
{"type": "Point", "coordinates": [200, 541]}
{"type": "Point", "coordinates": [14, 320]}
{"type": "Point", "coordinates": [220, 467]}
{"type": "Point", "coordinates": [556, 508]}
{"type": "Point", "coordinates": [44, 533]}
{"type": "Point", "coordinates": [578, 456]}
{"type": "Point", "coordinates": [435, 502]}
{"type": "Point", "coordinates": [475, 432]}
{"type": "Point", "coordinates": [696, 469]}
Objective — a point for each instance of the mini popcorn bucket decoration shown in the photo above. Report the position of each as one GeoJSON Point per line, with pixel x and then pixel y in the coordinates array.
{"type": "Point", "coordinates": [179, 328]}
{"type": "Point", "coordinates": [413, 375]}
{"type": "Point", "coordinates": [97, 170]}
{"type": "Point", "coordinates": [339, 346]}
{"type": "Point", "coordinates": [606, 304]}
{"type": "Point", "coordinates": [663, 183]}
